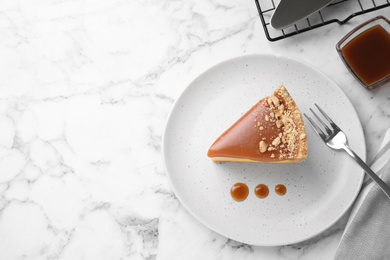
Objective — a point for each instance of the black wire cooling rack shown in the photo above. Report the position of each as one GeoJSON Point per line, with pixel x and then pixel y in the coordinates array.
{"type": "Point", "coordinates": [339, 11]}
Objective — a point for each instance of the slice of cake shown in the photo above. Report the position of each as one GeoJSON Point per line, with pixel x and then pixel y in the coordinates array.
{"type": "Point", "coordinates": [272, 131]}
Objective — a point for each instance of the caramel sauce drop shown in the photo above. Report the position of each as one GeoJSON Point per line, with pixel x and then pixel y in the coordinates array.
{"type": "Point", "coordinates": [280, 189]}
{"type": "Point", "coordinates": [239, 191]}
{"type": "Point", "coordinates": [261, 191]}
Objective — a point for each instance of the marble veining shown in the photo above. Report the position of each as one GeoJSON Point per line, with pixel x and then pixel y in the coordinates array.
{"type": "Point", "coordinates": [85, 91]}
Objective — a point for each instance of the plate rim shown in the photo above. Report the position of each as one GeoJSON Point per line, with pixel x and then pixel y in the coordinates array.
{"type": "Point", "coordinates": [258, 56]}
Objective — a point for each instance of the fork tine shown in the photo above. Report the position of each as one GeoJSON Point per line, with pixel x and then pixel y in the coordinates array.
{"type": "Point", "coordinates": [318, 130]}
{"type": "Point", "coordinates": [333, 124]}
{"type": "Point", "coordinates": [324, 125]}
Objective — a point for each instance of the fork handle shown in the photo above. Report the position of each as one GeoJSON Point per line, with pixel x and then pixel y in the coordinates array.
{"type": "Point", "coordinates": [385, 188]}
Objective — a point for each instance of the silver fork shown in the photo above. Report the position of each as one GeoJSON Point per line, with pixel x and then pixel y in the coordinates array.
{"type": "Point", "coordinates": [335, 138]}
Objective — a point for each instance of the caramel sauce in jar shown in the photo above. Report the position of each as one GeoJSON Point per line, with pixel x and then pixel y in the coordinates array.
{"type": "Point", "coordinates": [261, 191]}
{"type": "Point", "coordinates": [239, 191]}
{"type": "Point", "coordinates": [369, 54]}
{"type": "Point", "coordinates": [280, 189]}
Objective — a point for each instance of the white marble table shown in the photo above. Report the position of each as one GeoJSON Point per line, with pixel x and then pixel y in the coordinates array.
{"type": "Point", "coordinates": [85, 90]}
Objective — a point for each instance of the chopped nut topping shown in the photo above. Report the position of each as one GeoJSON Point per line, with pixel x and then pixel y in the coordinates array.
{"type": "Point", "coordinates": [283, 112]}
{"type": "Point", "coordinates": [275, 100]}
{"type": "Point", "coordinates": [263, 146]}
{"type": "Point", "coordinates": [280, 115]}
{"type": "Point", "coordinates": [276, 141]}
{"type": "Point", "coordinates": [281, 109]}
{"type": "Point", "coordinates": [269, 102]}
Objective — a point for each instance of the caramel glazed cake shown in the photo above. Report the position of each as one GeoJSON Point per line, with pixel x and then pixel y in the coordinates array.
{"type": "Point", "coordinates": [272, 131]}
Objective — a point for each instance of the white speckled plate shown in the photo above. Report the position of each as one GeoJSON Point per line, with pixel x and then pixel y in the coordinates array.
{"type": "Point", "coordinates": [319, 190]}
